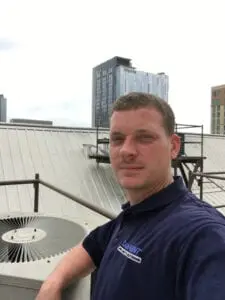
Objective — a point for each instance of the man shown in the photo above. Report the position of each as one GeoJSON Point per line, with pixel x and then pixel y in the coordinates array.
{"type": "Point", "coordinates": [166, 243]}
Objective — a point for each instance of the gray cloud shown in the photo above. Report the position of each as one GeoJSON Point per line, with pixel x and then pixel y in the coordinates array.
{"type": "Point", "coordinates": [6, 44]}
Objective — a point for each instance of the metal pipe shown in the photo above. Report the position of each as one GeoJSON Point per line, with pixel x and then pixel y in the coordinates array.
{"type": "Point", "coordinates": [36, 193]}
{"type": "Point", "coordinates": [181, 124]}
{"type": "Point", "coordinates": [219, 206]}
{"type": "Point", "coordinates": [214, 173]}
{"type": "Point", "coordinates": [190, 180]}
{"type": "Point", "coordinates": [98, 210]}
{"type": "Point", "coordinates": [202, 163]}
{"type": "Point", "coordinates": [16, 182]}
{"type": "Point", "coordinates": [209, 176]}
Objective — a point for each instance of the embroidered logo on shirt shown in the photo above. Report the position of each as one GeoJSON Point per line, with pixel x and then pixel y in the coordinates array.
{"type": "Point", "coordinates": [130, 251]}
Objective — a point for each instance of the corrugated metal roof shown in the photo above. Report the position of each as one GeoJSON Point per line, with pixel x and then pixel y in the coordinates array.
{"type": "Point", "coordinates": [59, 156]}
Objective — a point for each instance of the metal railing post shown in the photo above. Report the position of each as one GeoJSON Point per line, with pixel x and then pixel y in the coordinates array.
{"type": "Point", "coordinates": [190, 176]}
{"type": "Point", "coordinates": [36, 192]}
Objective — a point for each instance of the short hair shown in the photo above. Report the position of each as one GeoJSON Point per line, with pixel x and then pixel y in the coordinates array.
{"type": "Point", "coordinates": [136, 100]}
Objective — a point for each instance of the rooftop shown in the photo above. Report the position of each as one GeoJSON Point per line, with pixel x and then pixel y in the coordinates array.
{"type": "Point", "coordinates": [59, 155]}
{"type": "Point", "coordinates": [222, 86]}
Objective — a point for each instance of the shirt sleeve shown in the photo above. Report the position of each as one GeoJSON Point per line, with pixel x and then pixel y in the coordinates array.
{"type": "Point", "coordinates": [96, 241]}
{"type": "Point", "coordinates": [203, 267]}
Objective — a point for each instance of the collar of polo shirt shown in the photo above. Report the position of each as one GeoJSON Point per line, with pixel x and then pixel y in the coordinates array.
{"type": "Point", "coordinates": [160, 199]}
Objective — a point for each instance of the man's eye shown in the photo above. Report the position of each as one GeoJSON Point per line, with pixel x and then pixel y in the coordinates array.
{"type": "Point", "coordinates": [145, 138]}
{"type": "Point", "coordinates": [116, 139]}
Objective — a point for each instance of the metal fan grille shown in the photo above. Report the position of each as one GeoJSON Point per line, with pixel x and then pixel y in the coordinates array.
{"type": "Point", "coordinates": [30, 238]}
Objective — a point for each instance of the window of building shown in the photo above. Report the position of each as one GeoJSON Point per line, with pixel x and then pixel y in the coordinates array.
{"type": "Point", "coordinates": [98, 74]}
{"type": "Point", "coordinates": [216, 102]}
{"type": "Point", "coordinates": [110, 78]}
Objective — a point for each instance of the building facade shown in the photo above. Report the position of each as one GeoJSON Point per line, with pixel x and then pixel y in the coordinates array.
{"type": "Point", "coordinates": [3, 109]}
{"type": "Point", "coordinates": [218, 109]}
{"type": "Point", "coordinates": [117, 77]}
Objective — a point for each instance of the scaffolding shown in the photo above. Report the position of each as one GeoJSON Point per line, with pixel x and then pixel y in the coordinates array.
{"type": "Point", "coordinates": [185, 162]}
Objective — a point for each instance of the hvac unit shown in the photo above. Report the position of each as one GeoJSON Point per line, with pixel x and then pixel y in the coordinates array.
{"type": "Point", "coordinates": [30, 248]}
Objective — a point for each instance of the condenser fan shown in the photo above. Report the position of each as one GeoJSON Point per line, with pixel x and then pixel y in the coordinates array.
{"type": "Point", "coordinates": [30, 238]}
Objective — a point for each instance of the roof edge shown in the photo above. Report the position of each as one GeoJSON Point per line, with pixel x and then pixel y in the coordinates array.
{"type": "Point", "coordinates": [50, 127]}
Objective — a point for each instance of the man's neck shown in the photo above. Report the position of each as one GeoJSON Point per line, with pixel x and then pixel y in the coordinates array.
{"type": "Point", "coordinates": [135, 196]}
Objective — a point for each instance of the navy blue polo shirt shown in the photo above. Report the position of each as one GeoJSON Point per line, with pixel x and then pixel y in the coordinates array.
{"type": "Point", "coordinates": [170, 246]}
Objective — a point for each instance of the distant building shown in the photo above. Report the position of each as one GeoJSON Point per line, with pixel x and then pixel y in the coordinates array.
{"type": "Point", "coordinates": [117, 77]}
{"type": "Point", "coordinates": [31, 122]}
{"type": "Point", "coordinates": [218, 109]}
{"type": "Point", "coordinates": [3, 109]}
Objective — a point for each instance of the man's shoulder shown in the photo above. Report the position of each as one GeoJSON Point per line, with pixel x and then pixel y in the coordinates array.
{"type": "Point", "coordinates": [105, 230]}
{"type": "Point", "coordinates": [193, 206]}
{"type": "Point", "coordinates": [193, 214]}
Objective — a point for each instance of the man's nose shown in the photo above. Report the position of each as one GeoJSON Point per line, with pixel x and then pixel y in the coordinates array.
{"type": "Point", "coordinates": [128, 148]}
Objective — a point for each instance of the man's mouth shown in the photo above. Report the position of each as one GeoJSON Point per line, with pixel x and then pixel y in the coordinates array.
{"type": "Point", "coordinates": [131, 168]}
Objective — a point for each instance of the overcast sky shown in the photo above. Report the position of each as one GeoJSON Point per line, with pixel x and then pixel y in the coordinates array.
{"type": "Point", "coordinates": [48, 49]}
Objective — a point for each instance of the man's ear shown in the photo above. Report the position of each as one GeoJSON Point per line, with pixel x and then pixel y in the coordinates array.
{"type": "Point", "coordinates": [175, 145]}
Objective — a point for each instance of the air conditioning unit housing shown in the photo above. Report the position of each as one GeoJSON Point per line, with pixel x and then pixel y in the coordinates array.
{"type": "Point", "coordinates": [31, 246]}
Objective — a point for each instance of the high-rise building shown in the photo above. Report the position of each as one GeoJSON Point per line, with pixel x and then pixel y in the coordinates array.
{"type": "Point", "coordinates": [117, 77]}
{"type": "Point", "coordinates": [3, 109]}
{"type": "Point", "coordinates": [218, 109]}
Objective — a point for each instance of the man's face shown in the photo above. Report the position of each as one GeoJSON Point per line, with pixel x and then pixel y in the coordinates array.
{"type": "Point", "coordinates": [140, 149]}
